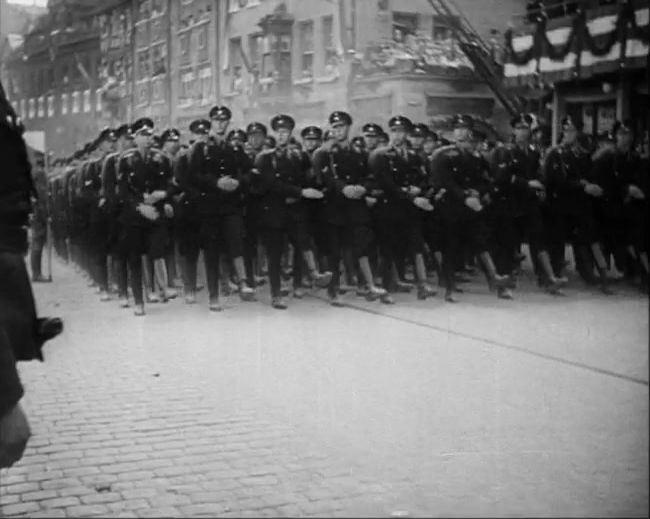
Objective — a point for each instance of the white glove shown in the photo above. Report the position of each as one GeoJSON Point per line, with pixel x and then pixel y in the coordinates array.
{"type": "Point", "coordinates": [169, 211]}
{"type": "Point", "coordinates": [635, 192]}
{"type": "Point", "coordinates": [535, 184]}
{"type": "Point", "coordinates": [148, 211]}
{"type": "Point", "coordinates": [594, 190]}
{"type": "Point", "coordinates": [350, 192]}
{"type": "Point", "coordinates": [423, 203]}
{"type": "Point", "coordinates": [311, 193]}
{"type": "Point", "coordinates": [473, 203]}
{"type": "Point", "coordinates": [159, 195]}
{"type": "Point", "coordinates": [228, 184]}
{"type": "Point", "coordinates": [370, 201]}
{"type": "Point", "coordinates": [414, 190]}
{"type": "Point", "coordinates": [360, 190]}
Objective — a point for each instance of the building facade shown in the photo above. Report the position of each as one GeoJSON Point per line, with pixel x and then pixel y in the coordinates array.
{"type": "Point", "coordinates": [116, 76]}
{"type": "Point", "coordinates": [372, 58]}
{"type": "Point", "coordinates": [194, 58]}
{"type": "Point", "coordinates": [152, 35]}
{"type": "Point", "coordinates": [54, 74]}
{"type": "Point", "coordinates": [589, 59]}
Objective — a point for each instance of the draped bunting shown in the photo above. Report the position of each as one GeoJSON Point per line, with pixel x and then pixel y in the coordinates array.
{"type": "Point", "coordinates": [580, 45]}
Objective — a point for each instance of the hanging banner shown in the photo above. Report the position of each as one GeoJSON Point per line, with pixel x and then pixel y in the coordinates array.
{"type": "Point", "coordinates": [617, 38]}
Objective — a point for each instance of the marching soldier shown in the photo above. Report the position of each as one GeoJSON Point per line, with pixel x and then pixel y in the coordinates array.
{"type": "Point", "coordinates": [280, 177]}
{"type": "Point", "coordinates": [312, 138]}
{"type": "Point", "coordinates": [346, 177]}
{"type": "Point", "coordinates": [458, 177]}
{"type": "Point", "coordinates": [187, 218]}
{"type": "Point", "coordinates": [569, 206]}
{"type": "Point", "coordinates": [171, 146]}
{"type": "Point", "coordinates": [216, 172]}
{"type": "Point", "coordinates": [516, 199]}
{"type": "Point", "coordinates": [143, 176]}
{"type": "Point", "coordinates": [256, 133]}
{"type": "Point", "coordinates": [113, 207]}
{"type": "Point", "coordinates": [398, 176]}
{"type": "Point", "coordinates": [99, 217]}
{"type": "Point", "coordinates": [619, 171]}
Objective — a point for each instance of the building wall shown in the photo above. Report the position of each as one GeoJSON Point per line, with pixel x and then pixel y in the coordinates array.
{"type": "Point", "coordinates": [115, 75]}
{"type": "Point", "coordinates": [311, 99]}
{"type": "Point", "coordinates": [66, 106]}
{"type": "Point", "coordinates": [193, 58]}
{"type": "Point", "coordinates": [151, 61]}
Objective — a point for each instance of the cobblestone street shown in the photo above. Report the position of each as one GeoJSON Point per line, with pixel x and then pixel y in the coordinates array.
{"type": "Point", "coordinates": [535, 407]}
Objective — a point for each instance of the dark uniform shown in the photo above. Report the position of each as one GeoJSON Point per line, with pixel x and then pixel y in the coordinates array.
{"type": "Point", "coordinates": [253, 210]}
{"type": "Point", "coordinates": [99, 241]}
{"type": "Point", "coordinates": [517, 205]}
{"type": "Point", "coordinates": [620, 215]}
{"type": "Point", "coordinates": [113, 207]}
{"type": "Point", "coordinates": [140, 174]}
{"type": "Point", "coordinates": [460, 177]}
{"type": "Point", "coordinates": [220, 211]}
{"type": "Point", "coordinates": [280, 180]}
{"type": "Point", "coordinates": [568, 210]}
{"type": "Point", "coordinates": [187, 218]}
{"type": "Point", "coordinates": [396, 172]}
{"type": "Point", "coordinates": [348, 219]}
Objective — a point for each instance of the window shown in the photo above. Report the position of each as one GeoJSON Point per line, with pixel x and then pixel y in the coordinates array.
{"type": "Point", "coordinates": [142, 35]}
{"type": "Point", "coordinates": [184, 44]}
{"type": "Point", "coordinates": [202, 44]}
{"type": "Point", "coordinates": [205, 85]}
{"type": "Point", "coordinates": [159, 58]}
{"type": "Point", "coordinates": [64, 104]}
{"type": "Point", "coordinates": [404, 24]}
{"type": "Point", "coordinates": [41, 106]}
{"type": "Point", "coordinates": [186, 87]}
{"type": "Point", "coordinates": [142, 93]}
{"type": "Point", "coordinates": [255, 47]}
{"type": "Point", "coordinates": [157, 7]}
{"type": "Point", "coordinates": [144, 65]}
{"type": "Point", "coordinates": [144, 10]}
{"type": "Point", "coordinates": [99, 108]}
{"type": "Point", "coordinates": [157, 29]}
{"type": "Point", "coordinates": [23, 112]}
{"type": "Point", "coordinates": [307, 49]}
{"type": "Point", "coordinates": [157, 90]}
{"type": "Point", "coordinates": [233, 6]}
{"type": "Point", "coordinates": [32, 108]}
{"type": "Point", "coordinates": [76, 102]}
{"type": "Point", "coordinates": [50, 106]}
{"type": "Point", "coordinates": [443, 27]}
{"type": "Point", "coordinates": [87, 105]}
{"type": "Point", "coordinates": [202, 38]}
{"type": "Point", "coordinates": [234, 55]}
{"type": "Point", "coordinates": [329, 48]}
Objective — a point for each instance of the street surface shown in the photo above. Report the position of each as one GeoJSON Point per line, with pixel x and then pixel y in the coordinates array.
{"type": "Point", "coordinates": [536, 407]}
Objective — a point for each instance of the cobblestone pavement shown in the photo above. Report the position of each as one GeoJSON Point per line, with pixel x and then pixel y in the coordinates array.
{"type": "Point", "coordinates": [536, 407]}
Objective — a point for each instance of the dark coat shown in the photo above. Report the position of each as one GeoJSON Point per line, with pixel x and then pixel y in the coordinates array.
{"type": "Point", "coordinates": [340, 166]}
{"type": "Point", "coordinates": [208, 163]}
{"type": "Point", "coordinates": [279, 180]}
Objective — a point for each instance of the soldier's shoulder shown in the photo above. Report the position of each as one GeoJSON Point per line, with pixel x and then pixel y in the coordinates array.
{"type": "Point", "coordinates": [447, 151]}
{"type": "Point", "coordinates": [604, 154]}
{"type": "Point", "coordinates": [128, 153]}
